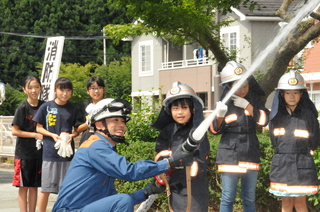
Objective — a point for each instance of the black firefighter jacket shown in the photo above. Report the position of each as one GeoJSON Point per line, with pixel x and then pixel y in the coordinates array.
{"type": "Point", "coordinates": [293, 136]}
{"type": "Point", "coordinates": [170, 138]}
{"type": "Point", "coordinates": [238, 149]}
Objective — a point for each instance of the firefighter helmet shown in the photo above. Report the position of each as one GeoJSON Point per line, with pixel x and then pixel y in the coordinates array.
{"type": "Point", "coordinates": [291, 81]}
{"type": "Point", "coordinates": [179, 91]}
{"type": "Point", "coordinates": [108, 108]}
{"type": "Point", "coordinates": [232, 71]}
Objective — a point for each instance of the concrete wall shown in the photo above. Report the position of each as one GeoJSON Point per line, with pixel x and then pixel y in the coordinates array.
{"type": "Point", "coordinates": [263, 33]}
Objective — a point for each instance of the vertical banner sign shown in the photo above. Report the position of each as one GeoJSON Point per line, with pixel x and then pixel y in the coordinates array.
{"type": "Point", "coordinates": [51, 67]}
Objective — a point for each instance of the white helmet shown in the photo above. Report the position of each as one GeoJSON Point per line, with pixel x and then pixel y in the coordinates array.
{"type": "Point", "coordinates": [232, 71]}
{"type": "Point", "coordinates": [179, 91]}
{"type": "Point", "coordinates": [108, 108]}
{"type": "Point", "coordinates": [291, 81]}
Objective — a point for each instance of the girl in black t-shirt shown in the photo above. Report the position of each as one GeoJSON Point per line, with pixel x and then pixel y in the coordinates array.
{"type": "Point", "coordinates": [28, 151]}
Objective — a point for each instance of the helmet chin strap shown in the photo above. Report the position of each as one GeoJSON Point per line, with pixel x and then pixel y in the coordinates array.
{"type": "Point", "coordinates": [115, 138]}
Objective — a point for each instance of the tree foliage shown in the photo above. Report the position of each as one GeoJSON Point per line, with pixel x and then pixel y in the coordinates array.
{"type": "Point", "coordinates": [118, 78]}
{"type": "Point", "coordinates": [14, 97]}
{"type": "Point", "coordinates": [76, 19]}
{"type": "Point", "coordinates": [195, 21]}
{"type": "Point", "coordinates": [180, 21]}
{"type": "Point", "coordinates": [78, 75]}
{"type": "Point", "coordinates": [118, 73]}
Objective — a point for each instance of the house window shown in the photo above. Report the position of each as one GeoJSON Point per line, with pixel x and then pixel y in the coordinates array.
{"type": "Point", "coordinates": [157, 100]}
{"type": "Point", "coordinates": [315, 97]}
{"type": "Point", "coordinates": [146, 100]}
{"type": "Point", "coordinates": [230, 37]}
{"type": "Point", "coordinates": [145, 58]}
{"type": "Point", "coordinates": [233, 43]}
{"type": "Point", "coordinates": [136, 103]}
{"type": "Point", "coordinates": [204, 97]}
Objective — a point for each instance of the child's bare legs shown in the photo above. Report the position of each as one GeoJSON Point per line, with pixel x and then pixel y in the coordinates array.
{"type": "Point", "coordinates": [22, 198]}
{"type": "Point", "coordinates": [43, 201]}
{"type": "Point", "coordinates": [27, 198]}
{"type": "Point", "coordinates": [32, 199]}
{"type": "Point", "coordinates": [299, 203]}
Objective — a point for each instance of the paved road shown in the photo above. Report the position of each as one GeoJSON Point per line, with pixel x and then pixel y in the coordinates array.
{"type": "Point", "coordinates": [9, 193]}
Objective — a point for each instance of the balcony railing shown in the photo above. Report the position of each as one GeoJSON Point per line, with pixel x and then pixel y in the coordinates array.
{"type": "Point", "coordinates": [185, 63]}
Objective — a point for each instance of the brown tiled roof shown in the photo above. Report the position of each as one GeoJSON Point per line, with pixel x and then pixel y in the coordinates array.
{"type": "Point", "coordinates": [268, 8]}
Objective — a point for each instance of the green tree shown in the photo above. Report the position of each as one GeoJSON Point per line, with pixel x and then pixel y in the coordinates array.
{"type": "Point", "coordinates": [117, 75]}
{"type": "Point", "coordinates": [118, 78]}
{"type": "Point", "coordinates": [14, 98]}
{"type": "Point", "coordinates": [195, 21]}
{"type": "Point", "coordinates": [74, 19]}
{"type": "Point", "coordinates": [78, 75]}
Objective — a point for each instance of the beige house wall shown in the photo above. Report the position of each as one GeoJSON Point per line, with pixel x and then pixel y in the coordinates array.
{"type": "Point", "coordinates": [199, 78]}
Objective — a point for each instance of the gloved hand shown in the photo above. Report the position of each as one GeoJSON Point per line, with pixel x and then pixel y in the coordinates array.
{"type": "Point", "coordinates": [153, 188]}
{"type": "Point", "coordinates": [160, 156]}
{"type": "Point", "coordinates": [223, 109]}
{"type": "Point", "coordinates": [38, 144]}
{"type": "Point", "coordinates": [180, 158]}
{"type": "Point", "coordinates": [240, 102]}
{"type": "Point", "coordinates": [65, 149]}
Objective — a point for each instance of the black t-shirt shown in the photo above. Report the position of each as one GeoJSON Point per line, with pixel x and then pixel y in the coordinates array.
{"type": "Point", "coordinates": [26, 147]}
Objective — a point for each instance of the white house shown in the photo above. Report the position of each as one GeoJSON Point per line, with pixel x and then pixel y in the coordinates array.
{"type": "Point", "coordinates": [157, 63]}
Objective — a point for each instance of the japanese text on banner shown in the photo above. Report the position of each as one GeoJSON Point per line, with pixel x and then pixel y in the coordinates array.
{"type": "Point", "coordinates": [51, 67]}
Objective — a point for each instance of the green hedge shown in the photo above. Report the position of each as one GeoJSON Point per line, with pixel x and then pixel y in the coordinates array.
{"type": "Point", "coordinates": [141, 150]}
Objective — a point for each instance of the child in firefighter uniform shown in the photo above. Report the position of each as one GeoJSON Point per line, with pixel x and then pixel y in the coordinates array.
{"type": "Point", "coordinates": [294, 133]}
{"type": "Point", "coordinates": [182, 111]}
{"type": "Point", "coordinates": [238, 151]}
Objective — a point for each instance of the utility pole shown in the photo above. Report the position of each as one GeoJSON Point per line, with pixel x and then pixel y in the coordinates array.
{"type": "Point", "coordinates": [216, 81]}
{"type": "Point", "coordinates": [104, 47]}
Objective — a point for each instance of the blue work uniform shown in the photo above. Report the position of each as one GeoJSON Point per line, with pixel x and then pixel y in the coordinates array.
{"type": "Point", "coordinates": [89, 182]}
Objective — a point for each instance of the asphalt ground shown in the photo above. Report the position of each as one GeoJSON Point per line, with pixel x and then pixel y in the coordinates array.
{"type": "Point", "coordinates": [9, 193]}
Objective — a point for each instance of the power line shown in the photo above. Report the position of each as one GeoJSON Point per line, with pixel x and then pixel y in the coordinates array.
{"type": "Point", "coordinates": [48, 36]}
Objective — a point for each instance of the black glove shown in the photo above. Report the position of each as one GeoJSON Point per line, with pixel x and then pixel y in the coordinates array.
{"type": "Point", "coordinates": [181, 158]}
{"type": "Point", "coordinates": [153, 188]}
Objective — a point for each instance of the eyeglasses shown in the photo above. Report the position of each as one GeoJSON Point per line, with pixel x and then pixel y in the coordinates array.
{"type": "Point", "coordinates": [94, 89]}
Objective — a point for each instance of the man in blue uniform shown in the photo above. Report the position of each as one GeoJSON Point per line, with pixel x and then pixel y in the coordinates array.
{"type": "Point", "coordinates": [89, 182]}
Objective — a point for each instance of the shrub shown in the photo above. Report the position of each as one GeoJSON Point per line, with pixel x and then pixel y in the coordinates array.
{"type": "Point", "coordinates": [139, 128]}
{"type": "Point", "coordinates": [266, 201]}
{"type": "Point", "coordinates": [313, 200]}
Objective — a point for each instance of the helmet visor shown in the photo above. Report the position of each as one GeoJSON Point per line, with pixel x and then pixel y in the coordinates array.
{"type": "Point", "coordinates": [119, 104]}
{"type": "Point", "coordinates": [116, 108]}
